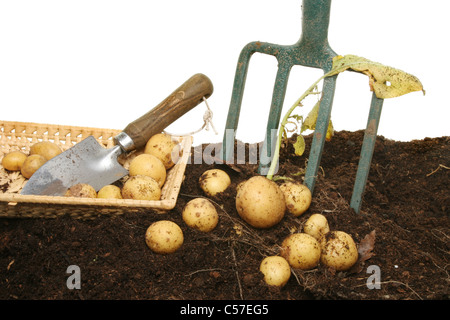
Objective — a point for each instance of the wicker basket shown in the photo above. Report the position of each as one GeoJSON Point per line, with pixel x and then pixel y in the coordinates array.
{"type": "Point", "coordinates": [21, 135]}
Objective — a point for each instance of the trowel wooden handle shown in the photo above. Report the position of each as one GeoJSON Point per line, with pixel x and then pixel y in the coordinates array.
{"type": "Point", "coordinates": [183, 99]}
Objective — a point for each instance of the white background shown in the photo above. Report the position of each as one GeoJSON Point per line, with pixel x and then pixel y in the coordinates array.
{"type": "Point", "coordinates": [104, 63]}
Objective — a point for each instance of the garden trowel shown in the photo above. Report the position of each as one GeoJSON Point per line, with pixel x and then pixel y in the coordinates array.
{"type": "Point", "coordinates": [91, 163]}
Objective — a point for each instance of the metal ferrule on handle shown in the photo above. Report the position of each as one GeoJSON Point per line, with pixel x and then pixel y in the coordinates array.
{"type": "Point", "coordinates": [125, 142]}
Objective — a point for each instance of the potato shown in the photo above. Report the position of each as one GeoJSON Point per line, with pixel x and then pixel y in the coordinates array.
{"type": "Point", "coordinates": [339, 251]}
{"type": "Point", "coordinates": [110, 192]}
{"type": "Point", "coordinates": [260, 202]}
{"type": "Point", "coordinates": [214, 181]}
{"type": "Point", "coordinates": [276, 271]}
{"type": "Point", "coordinates": [301, 250]}
{"type": "Point", "coordinates": [200, 214]}
{"type": "Point", "coordinates": [164, 237]}
{"type": "Point", "coordinates": [316, 226]}
{"type": "Point", "coordinates": [141, 188]}
{"type": "Point", "coordinates": [31, 164]}
{"type": "Point", "coordinates": [81, 190]}
{"type": "Point", "coordinates": [148, 165]}
{"type": "Point", "coordinates": [164, 148]}
{"type": "Point", "coordinates": [14, 160]}
{"type": "Point", "coordinates": [47, 149]}
{"type": "Point", "coordinates": [298, 197]}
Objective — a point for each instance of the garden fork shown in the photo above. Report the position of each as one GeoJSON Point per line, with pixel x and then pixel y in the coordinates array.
{"type": "Point", "coordinates": [312, 50]}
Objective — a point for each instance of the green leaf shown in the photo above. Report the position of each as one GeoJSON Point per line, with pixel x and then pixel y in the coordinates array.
{"type": "Point", "coordinates": [311, 119]}
{"type": "Point", "coordinates": [299, 145]}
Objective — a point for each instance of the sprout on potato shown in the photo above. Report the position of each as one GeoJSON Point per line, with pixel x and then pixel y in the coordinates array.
{"type": "Point", "coordinates": [339, 250]}
{"type": "Point", "coordinates": [316, 225]}
{"type": "Point", "coordinates": [214, 181]}
{"type": "Point", "coordinates": [200, 214]}
{"type": "Point", "coordinates": [276, 271]}
{"type": "Point", "coordinates": [164, 237]}
{"type": "Point", "coordinates": [47, 149]}
{"type": "Point", "coordinates": [260, 202]}
{"type": "Point", "coordinates": [14, 160]}
{"type": "Point", "coordinates": [164, 148]}
{"type": "Point", "coordinates": [141, 188]}
{"type": "Point", "coordinates": [298, 197]}
{"type": "Point", "coordinates": [148, 165]}
{"type": "Point", "coordinates": [31, 164]}
{"type": "Point", "coordinates": [301, 250]}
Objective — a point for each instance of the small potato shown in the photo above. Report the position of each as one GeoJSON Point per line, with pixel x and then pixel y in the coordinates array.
{"type": "Point", "coordinates": [81, 190]}
{"type": "Point", "coordinates": [47, 149]}
{"type": "Point", "coordinates": [339, 251]}
{"type": "Point", "coordinates": [276, 271]}
{"type": "Point", "coordinates": [148, 165]}
{"type": "Point", "coordinates": [110, 192]}
{"type": "Point", "coordinates": [316, 226]}
{"type": "Point", "coordinates": [298, 197]}
{"type": "Point", "coordinates": [164, 148]}
{"type": "Point", "coordinates": [164, 237]}
{"type": "Point", "coordinates": [200, 214]}
{"type": "Point", "coordinates": [214, 181]}
{"type": "Point", "coordinates": [31, 164]}
{"type": "Point", "coordinates": [14, 160]}
{"type": "Point", "coordinates": [260, 202]}
{"type": "Point", "coordinates": [301, 250]}
{"type": "Point", "coordinates": [141, 188]}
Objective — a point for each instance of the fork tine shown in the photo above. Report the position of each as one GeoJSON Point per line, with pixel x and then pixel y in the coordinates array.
{"type": "Point", "coordinates": [367, 149]}
{"type": "Point", "coordinates": [320, 132]}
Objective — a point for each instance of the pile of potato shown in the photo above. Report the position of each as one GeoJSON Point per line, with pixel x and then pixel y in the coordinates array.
{"type": "Point", "coordinates": [305, 250]}
{"type": "Point", "coordinates": [262, 203]}
{"type": "Point", "coordinates": [28, 163]}
{"type": "Point", "coordinates": [147, 171]}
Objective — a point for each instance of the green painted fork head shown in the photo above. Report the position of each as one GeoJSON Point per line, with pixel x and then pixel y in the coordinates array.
{"type": "Point", "coordinates": [312, 50]}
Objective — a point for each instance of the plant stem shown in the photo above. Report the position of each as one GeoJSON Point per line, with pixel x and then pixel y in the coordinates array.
{"type": "Point", "coordinates": [309, 91]}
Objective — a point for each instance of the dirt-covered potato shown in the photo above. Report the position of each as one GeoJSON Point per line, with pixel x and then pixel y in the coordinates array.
{"type": "Point", "coordinates": [47, 149]}
{"type": "Point", "coordinates": [148, 165]}
{"type": "Point", "coordinates": [214, 181]}
{"type": "Point", "coordinates": [339, 250]}
{"type": "Point", "coordinates": [110, 191]}
{"type": "Point", "coordinates": [301, 250]}
{"type": "Point", "coordinates": [316, 225]}
{"type": "Point", "coordinates": [14, 160]}
{"type": "Point", "coordinates": [81, 190]}
{"type": "Point", "coordinates": [164, 148]}
{"type": "Point", "coordinates": [31, 164]}
{"type": "Point", "coordinates": [276, 271]}
{"type": "Point", "coordinates": [298, 197]}
{"type": "Point", "coordinates": [164, 237]}
{"type": "Point", "coordinates": [141, 188]}
{"type": "Point", "coordinates": [200, 214]}
{"type": "Point", "coordinates": [260, 202]}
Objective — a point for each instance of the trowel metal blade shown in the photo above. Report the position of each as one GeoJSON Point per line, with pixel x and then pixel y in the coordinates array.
{"type": "Point", "coordinates": [86, 162]}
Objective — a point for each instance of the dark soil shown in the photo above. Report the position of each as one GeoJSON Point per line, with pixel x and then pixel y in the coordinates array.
{"type": "Point", "coordinates": [406, 203]}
